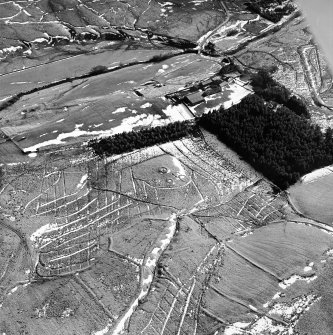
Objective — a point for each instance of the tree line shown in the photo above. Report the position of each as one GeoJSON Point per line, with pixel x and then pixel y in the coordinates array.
{"type": "Point", "coordinates": [281, 145]}
{"type": "Point", "coordinates": [126, 142]}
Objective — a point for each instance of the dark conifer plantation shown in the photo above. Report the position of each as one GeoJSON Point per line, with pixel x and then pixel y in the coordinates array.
{"type": "Point", "coordinates": [277, 142]}
{"type": "Point", "coordinates": [125, 142]}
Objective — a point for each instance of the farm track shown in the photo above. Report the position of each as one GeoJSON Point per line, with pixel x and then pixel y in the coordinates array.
{"type": "Point", "coordinates": [305, 61]}
{"type": "Point", "coordinates": [148, 267]}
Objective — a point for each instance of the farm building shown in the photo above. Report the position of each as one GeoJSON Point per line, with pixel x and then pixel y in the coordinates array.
{"type": "Point", "coordinates": [224, 84]}
{"type": "Point", "coordinates": [194, 99]}
{"type": "Point", "coordinates": [245, 77]}
{"type": "Point", "coordinates": [233, 75]}
{"type": "Point", "coordinates": [206, 82]}
{"type": "Point", "coordinates": [212, 90]}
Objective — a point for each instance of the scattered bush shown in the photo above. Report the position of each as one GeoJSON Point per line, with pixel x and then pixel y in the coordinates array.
{"type": "Point", "coordinates": [272, 10]}
{"type": "Point", "coordinates": [99, 69]}
{"type": "Point", "coordinates": [160, 57]}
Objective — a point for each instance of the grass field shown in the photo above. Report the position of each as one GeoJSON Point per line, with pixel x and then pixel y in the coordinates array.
{"type": "Point", "coordinates": [178, 238]}
{"type": "Point", "coordinates": [25, 80]}
{"type": "Point", "coordinates": [314, 198]}
{"type": "Point", "coordinates": [174, 237]}
{"type": "Point", "coordinates": [103, 105]}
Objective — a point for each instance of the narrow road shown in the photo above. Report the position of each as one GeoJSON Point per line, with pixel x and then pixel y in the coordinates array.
{"type": "Point", "coordinates": [304, 56]}
{"type": "Point", "coordinates": [147, 272]}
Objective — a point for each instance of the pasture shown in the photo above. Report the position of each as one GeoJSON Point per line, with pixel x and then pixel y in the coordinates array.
{"type": "Point", "coordinates": [103, 105]}
{"type": "Point", "coordinates": [174, 237]}
{"type": "Point", "coordinates": [314, 198]}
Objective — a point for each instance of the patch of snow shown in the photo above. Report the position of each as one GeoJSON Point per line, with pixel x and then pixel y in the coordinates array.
{"type": "Point", "coordinates": [146, 105]}
{"type": "Point", "coordinates": [20, 82]}
{"type": "Point", "coordinates": [82, 181]}
{"type": "Point", "coordinates": [177, 113]}
{"type": "Point", "coordinates": [314, 175]}
{"type": "Point", "coordinates": [203, 37]}
{"type": "Point", "coordinates": [9, 96]}
{"type": "Point", "coordinates": [10, 49]}
{"type": "Point", "coordinates": [265, 325]}
{"type": "Point", "coordinates": [146, 282]}
{"type": "Point", "coordinates": [252, 307]}
{"type": "Point", "coordinates": [41, 231]}
{"type": "Point", "coordinates": [291, 280]}
{"type": "Point", "coordinates": [67, 312]}
{"type": "Point", "coordinates": [105, 330]}
{"type": "Point", "coordinates": [39, 40]}
{"type": "Point", "coordinates": [166, 4]}
{"type": "Point", "coordinates": [119, 110]}
{"type": "Point", "coordinates": [237, 94]}
{"type": "Point", "coordinates": [288, 311]}
{"type": "Point", "coordinates": [236, 328]}
{"type": "Point", "coordinates": [179, 166]}
{"type": "Point", "coordinates": [308, 267]}
{"type": "Point", "coordinates": [127, 125]}
{"type": "Point", "coordinates": [329, 252]}
{"type": "Point", "coordinates": [14, 289]}
{"type": "Point", "coordinates": [276, 295]}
